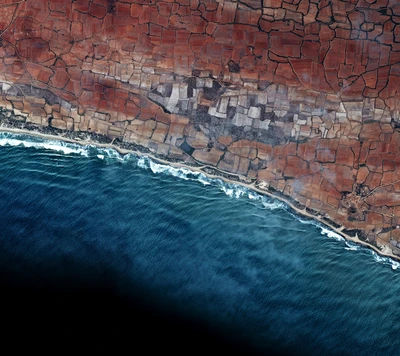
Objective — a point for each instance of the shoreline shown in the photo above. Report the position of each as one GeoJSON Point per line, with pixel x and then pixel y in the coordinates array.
{"type": "Point", "coordinates": [205, 169]}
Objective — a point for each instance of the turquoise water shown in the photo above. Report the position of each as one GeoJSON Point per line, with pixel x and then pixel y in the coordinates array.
{"type": "Point", "coordinates": [215, 251]}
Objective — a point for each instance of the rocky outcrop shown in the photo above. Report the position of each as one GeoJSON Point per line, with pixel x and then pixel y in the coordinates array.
{"type": "Point", "coordinates": [301, 97]}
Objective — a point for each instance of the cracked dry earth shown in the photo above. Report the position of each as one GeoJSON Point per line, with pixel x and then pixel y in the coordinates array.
{"type": "Point", "coordinates": [301, 97]}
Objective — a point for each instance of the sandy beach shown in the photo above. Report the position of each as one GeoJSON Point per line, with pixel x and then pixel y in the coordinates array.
{"type": "Point", "coordinates": [386, 252]}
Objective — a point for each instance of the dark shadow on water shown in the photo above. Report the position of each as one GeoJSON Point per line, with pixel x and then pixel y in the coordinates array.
{"type": "Point", "coordinates": [93, 314]}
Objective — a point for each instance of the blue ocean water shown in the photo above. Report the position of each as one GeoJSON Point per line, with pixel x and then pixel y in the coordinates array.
{"type": "Point", "coordinates": [216, 250]}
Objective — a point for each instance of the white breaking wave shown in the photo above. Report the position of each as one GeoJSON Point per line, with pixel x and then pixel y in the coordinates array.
{"type": "Point", "coordinates": [385, 260]}
{"type": "Point", "coordinates": [233, 192]}
{"type": "Point", "coordinates": [265, 201]}
{"type": "Point", "coordinates": [179, 172]}
{"type": "Point", "coordinates": [331, 234]}
{"type": "Point", "coordinates": [59, 146]}
{"type": "Point", "coordinates": [230, 189]}
{"type": "Point", "coordinates": [111, 153]}
{"type": "Point", "coordinates": [351, 246]}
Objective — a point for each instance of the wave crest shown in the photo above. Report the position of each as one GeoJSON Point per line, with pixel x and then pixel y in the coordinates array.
{"type": "Point", "coordinates": [230, 189]}
{"type": "Point", "coordinates": [7, 139]}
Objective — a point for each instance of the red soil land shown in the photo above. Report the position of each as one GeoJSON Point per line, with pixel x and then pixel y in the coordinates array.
{"type": "Point", "coordinates": [300, 96]}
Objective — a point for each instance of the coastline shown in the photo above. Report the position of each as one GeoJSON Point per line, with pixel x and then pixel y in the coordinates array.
{"type": "Point", "coordinates": [206, 169]}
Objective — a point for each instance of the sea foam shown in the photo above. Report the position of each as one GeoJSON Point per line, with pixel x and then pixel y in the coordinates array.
{"type": "Point", "coordinates": [232, 190]}
{"type": "Point", "coordinates": [7, 139]}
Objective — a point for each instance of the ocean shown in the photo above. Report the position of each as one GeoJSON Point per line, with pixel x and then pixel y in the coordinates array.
{"type": "Point", "coordinates": [217, 252]}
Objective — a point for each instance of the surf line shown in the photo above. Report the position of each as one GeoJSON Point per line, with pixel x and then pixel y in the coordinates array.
{"type": "Point", "coordinates": [212, 173]}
